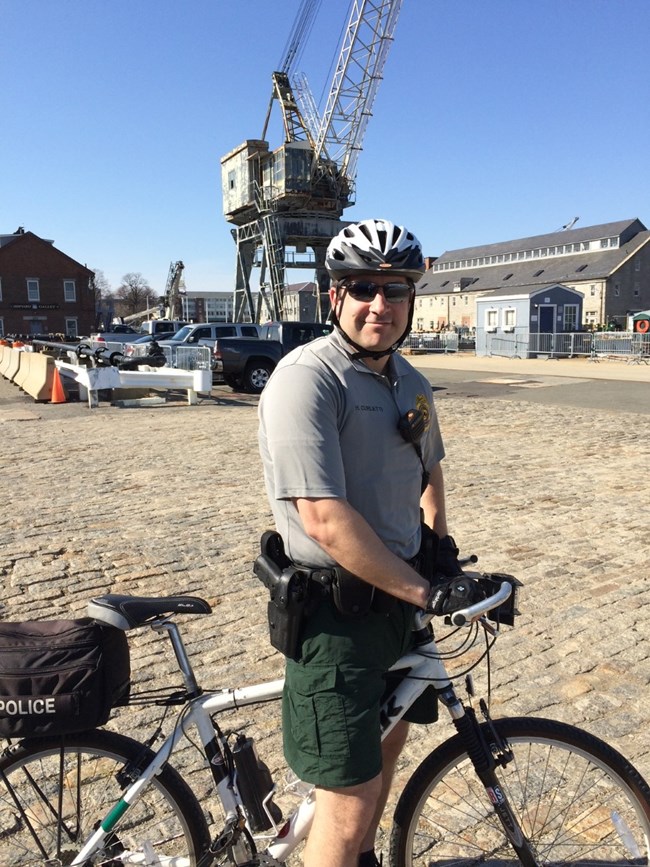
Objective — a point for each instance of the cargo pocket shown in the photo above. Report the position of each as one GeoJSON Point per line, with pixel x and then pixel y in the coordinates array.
{"type": "Point", "coordinates": [316, 713]}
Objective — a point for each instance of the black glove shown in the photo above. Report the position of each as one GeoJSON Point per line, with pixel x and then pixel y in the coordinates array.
{"type": "Point", "coordinates": [447, 564]}
{"type": "Point", "coordinates": [450, 596]}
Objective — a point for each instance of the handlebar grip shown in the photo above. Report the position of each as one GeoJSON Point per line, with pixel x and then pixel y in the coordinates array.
{"type": "Point", "coordinates": [473, 612]}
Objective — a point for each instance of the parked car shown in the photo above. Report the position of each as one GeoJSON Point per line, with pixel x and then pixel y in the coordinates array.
{"type": "Point", "coordinates": [204, 334]}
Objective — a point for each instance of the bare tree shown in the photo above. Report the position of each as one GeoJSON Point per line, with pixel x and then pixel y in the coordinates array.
{"type": "Point", "coordinates": [101, 285]}
{"type": "Point", "coordinates": [134, 294]}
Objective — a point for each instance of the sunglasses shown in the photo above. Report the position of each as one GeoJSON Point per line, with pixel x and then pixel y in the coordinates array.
{"type": "Point", "coordinates": [365, 290]}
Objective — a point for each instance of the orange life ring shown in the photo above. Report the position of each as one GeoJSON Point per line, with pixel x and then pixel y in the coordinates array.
{"type": "Point", "coordinates": [643, 326]}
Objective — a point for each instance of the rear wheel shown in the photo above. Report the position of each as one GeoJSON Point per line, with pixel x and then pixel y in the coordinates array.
{"type": "Point", "coordinates": [576, 799]}
{"type": "Point", "coordinates": [53, 796]}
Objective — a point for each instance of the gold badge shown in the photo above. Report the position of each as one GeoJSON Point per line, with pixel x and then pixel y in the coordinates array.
{"type": "Point", "coordinates": [423, 406]}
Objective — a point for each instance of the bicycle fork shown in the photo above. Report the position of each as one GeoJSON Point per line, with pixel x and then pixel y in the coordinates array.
{"type": "Point", "coordinates": [485, 758]}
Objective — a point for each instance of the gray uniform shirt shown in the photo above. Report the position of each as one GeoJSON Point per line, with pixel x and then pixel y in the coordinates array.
{"type": "Point", "coordinates": [329, 428]}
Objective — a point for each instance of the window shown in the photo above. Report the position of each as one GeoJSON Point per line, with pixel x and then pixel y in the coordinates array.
{"type": "Point", "coordinates": [617, 291]}
{"type": "Point", "coordinates": [637, 265]}
{"type": "Point", "coordinates": [570, 317]}
{"type": "Point", "coordinates": [537, 273]}
{"type": "Point", "coordinates": [509, 318]}
{"type": "Point", "coordinates": [491, 319]}
{"type": "Point", "coordinates": [231, 180]}
{"type": "Point", "coordinates": [637, 290]}
{"type": "Point", "coordinates": [581, 268]}
{"type": "Point", "coordinates": [604, 242]}
{"type": "Point", "coordinates": [69, 291]}
{"type": "Point", "coordinates": [508, 276]}
{"type": "Point", "coordinates": [592, 289]}
{"type": "Point", "coordinates": [33, 293]}
{"type": "Point", "coordinates": [71, 329]}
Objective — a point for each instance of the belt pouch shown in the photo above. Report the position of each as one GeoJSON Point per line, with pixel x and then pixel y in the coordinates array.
{"type": "Point", "coordinates": [352, 596]}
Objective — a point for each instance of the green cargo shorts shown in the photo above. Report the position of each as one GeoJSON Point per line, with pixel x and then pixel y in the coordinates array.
{"type": "Point", "coordinates": [333, 693]}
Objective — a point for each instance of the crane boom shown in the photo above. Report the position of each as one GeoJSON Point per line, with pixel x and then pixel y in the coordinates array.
{"type": "Point", "coordinates": [364, 50]}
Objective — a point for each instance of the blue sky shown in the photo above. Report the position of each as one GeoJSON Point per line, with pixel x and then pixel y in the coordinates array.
{"type": "Point", "coordinates": [496, 119]}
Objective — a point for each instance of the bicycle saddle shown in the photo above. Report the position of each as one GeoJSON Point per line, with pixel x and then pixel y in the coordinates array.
{"type": "Point", "coordinates": [127, 612]}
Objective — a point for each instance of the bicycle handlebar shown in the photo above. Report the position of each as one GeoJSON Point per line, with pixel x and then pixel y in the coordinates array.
{"type": "Point", "coordinates": [473, 612]}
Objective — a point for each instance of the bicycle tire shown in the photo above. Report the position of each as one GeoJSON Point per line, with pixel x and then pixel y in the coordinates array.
{"type": "Point", "coordinates": [578, 801]}
{"type": "Point", "coordinates": [64, 789]}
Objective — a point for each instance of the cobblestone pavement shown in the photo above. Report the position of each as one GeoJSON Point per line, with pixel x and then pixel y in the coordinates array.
{"type": "Point", "coordinates": [170, 500]}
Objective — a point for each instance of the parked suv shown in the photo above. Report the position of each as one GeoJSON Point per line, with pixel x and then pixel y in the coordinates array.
{"type": "Point", "coordinates": [205, 334]}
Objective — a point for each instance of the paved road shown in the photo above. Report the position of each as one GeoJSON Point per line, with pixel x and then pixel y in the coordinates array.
{"type": "Point", "coordinates": [607, 385]}
{"type": "Point", "coordinates": [170, 500]}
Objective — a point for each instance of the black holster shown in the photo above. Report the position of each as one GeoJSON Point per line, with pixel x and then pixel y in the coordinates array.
{"type": "Point", "coordinates": [289, 590]}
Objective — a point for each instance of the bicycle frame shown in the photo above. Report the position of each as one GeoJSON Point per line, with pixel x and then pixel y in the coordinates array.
{"type": "Point", "coordinates": [421, 667]}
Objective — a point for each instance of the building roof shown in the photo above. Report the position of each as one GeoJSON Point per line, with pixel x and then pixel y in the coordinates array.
{"type": "Point", "coordinates": [292, 288]}
{"type": "Point", "coordinates": [623, 229]}
{"type": "Point", "coordinates": [531, 289]}
{"type": "Point", "coordinates": [20, 233]}
{"type": "Point", "coordinates": [544, 270]}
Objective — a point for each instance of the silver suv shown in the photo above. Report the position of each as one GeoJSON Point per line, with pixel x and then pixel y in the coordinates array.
{"type": "Point", "coordinates": [205, 334]}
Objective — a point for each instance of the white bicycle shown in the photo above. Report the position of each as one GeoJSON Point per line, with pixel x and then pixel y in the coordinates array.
{"type": "Point", "coordinates": [499, 792]}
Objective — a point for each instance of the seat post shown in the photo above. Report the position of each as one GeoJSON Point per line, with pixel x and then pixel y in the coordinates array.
{"type": "Point", "coordinates": [189, 678]}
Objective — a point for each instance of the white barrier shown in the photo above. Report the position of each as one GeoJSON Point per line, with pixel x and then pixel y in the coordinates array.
{"type": "Point", "coordinates": [95, 379]}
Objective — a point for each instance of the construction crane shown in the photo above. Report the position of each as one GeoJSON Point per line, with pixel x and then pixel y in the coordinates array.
{"type": "Point", "coordinates": [294, 196]}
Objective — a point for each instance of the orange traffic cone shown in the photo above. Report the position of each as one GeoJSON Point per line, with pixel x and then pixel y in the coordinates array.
{"type": "Point", "coordinates": [58, 394]}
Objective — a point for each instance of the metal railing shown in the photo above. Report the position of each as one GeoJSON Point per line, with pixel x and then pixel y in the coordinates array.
{"type": "Point", "coordinates": [445, 341]}
{"type": "Point", "coordinates": [624, 344]}
{"type": "Point", "coordinates": [180, 357]}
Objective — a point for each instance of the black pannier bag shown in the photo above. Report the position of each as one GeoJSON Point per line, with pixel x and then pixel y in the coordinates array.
{"type": "Point", "coordinates": [60, 676]}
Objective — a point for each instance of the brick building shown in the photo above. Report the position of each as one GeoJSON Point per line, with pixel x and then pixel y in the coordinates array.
{"type": "Point", "coordinates": [42, 290]}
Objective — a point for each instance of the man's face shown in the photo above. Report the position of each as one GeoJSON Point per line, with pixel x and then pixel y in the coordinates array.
{"type": "Point", "coordinates": [374, 324]}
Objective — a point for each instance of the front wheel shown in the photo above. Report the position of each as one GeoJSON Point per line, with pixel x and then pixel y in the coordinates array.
{"type": "Point", "coordinates": [54, 794]}
{"type": "Point", "coordinates": [577, 801]}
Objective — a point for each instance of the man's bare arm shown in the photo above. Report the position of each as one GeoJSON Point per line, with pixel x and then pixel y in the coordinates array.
{"type": "Point", "coordinates": [349, 540]}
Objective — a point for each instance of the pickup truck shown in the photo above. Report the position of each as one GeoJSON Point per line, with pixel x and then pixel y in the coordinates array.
{"type": "Point", "coordinates": [246, 364]}
{"type": "Point", "coordinates": [117, 334]}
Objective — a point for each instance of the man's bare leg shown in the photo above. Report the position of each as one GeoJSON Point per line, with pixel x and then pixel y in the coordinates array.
{"type": "Point", "coordinates": [391, 748]}
{"type": "Point", "coordinates": [341, 822]}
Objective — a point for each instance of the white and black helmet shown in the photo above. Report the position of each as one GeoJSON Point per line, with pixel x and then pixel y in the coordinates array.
{"type": "Point", "coordinates": [375, 245]}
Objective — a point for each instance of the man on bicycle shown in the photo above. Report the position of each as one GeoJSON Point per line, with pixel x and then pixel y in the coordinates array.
{"type": "Point", "coordinates": [351, 450]}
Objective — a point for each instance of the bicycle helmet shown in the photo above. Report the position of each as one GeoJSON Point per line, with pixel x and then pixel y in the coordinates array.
{"type": "Point", "coordinates": [374, 245]}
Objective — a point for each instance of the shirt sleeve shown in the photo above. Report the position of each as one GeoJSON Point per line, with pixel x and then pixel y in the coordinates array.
{"type": "Point", "coordinates": [299, 436]}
